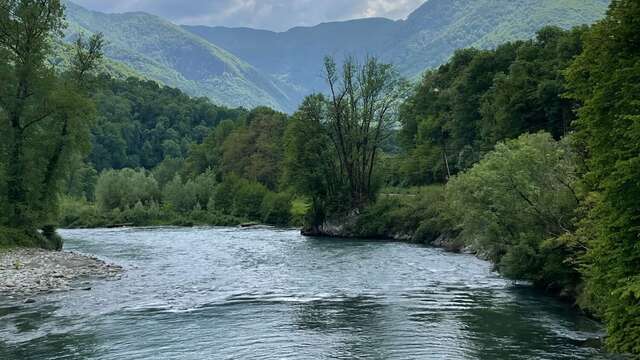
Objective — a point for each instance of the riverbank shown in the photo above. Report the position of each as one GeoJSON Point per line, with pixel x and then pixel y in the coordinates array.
{"type": "Point", "coordinates": [28, 272]}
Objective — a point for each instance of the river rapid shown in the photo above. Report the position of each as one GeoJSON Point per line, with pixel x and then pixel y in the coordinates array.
{"type": "Point", "coordinates": [227, 293]}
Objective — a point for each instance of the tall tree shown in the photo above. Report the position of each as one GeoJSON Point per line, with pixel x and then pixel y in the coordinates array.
{"type": "Point", "coordinates": [362, 109]}
{"type": "Point", "coordinates": [606, 78]}
{"type": "Point", "coordinates": [44, 115]}
{"type": "Point", "coordinates": [310, 162]}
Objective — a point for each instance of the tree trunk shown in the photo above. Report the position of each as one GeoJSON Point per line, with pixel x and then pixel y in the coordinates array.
{"type": "Point", "coordinates": [54, 163]}
{"type": "Point", "coordinates": [16, 192]}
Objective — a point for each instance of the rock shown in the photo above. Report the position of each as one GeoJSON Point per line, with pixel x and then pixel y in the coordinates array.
{"type": "Point", "coordinates": [47, 271]}
{"type": "Point", "coordinates": [29, 301]}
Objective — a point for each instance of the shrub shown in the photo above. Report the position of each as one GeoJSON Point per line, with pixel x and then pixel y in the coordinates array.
{"type": "Point", "coordinates": [515, 202]}
{"type": "Point", "coordinates": [276, 209]}
{"type": "Point", "coordinates": [415, 214]}
{"type": "Point", "coordinates": [248, 200]}
{"type": "Point", "coordinates": [28, 238]}
{"type": "Point", "coordinates": [120, 189]}
{"type": "Point", "coordinates": [79, 213]}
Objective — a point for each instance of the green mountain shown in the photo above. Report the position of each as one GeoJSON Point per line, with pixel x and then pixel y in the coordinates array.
{"type": "Point", "coordinates": [247, 67]}
{"type": "Point", "coordinates": [162, 51]}
{"type": "Point", "coordinates": [434, 31]}
{"type": "Point", "coordinates": [427, 38]}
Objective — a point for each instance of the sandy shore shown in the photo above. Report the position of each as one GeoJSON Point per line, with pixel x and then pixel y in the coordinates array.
{"type": "Point", "coordinates": [27, 272]}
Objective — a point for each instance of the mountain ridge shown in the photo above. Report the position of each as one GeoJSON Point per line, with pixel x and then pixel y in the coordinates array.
{"type": "Point", "coordinates": [249, 67]}
{"type": "Point", "coordinates": [165, 52]}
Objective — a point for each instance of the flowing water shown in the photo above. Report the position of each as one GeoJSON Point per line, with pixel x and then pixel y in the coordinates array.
{"type": "Point", "coordinates": [221, 293]}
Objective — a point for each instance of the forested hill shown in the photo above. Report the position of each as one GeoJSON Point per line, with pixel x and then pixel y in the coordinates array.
{"type": "Point", "coordinates": [247, 67]}
{"type": "Point", "coordinates": [434, 31]}
{"type": "Point", "coordinates": [162, 51]}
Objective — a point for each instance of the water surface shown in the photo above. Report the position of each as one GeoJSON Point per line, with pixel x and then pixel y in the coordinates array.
{"type": "Point", "coordinates": [222, 293]}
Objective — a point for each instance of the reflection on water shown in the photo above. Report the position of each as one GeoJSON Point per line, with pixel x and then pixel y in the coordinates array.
{"type": "Point", "coordinates": [263, 294]}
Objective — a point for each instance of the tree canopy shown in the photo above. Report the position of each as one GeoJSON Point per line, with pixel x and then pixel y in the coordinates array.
{"type": "Point", "coordinates": [46, 116]}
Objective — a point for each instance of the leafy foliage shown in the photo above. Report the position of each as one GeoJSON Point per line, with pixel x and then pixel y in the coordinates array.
{"type": "Point", "coordinates": [141, 123]}
{"type": "Point", "coordinates": [478, 98]}
{"type": "Point", "coordinates": [606, 78]}
{"type": "Point", "coordinates": [514, 203]}
{"type": "Point", "coordinates": [44, 116]}
{"type": "Point", "coordinates": [125, 188]}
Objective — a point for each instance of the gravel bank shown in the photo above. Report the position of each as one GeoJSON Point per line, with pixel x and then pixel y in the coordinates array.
{"type": "Point", "coordinates": [25, 272]}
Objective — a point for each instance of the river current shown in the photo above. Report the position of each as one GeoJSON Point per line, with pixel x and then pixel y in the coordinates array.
{"type": "Point", "coordinates": [227, 293]}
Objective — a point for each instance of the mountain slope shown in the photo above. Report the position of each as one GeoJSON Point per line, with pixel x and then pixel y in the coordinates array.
{"type": "Point", "coordinates": [434, 31]}
{"type": "Point", "coordinates": [297, 55]}
{"type": "Point", "coordinates": [162, 51]}
{"type": "Point", "coordinates": [247, 67]}
{"type": "Point", "coordinates": [426, 39]}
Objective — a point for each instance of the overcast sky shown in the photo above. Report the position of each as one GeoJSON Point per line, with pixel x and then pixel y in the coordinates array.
{"type": "Point", "coordinates": [276, 15]}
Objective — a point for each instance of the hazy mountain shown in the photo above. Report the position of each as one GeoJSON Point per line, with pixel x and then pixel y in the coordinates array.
{"type": "Point", "coordinates": [242, 66]}
{"type": "Point", "coordinates": [297, 55]}
{"type": "Point", "coordinates": [426, 39]}
{"type": "Point", "coordinates": [165, 52]}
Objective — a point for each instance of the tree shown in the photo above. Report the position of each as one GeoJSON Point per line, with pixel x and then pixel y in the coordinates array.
{"type": "Point", "coordinates": [44, 115]}
{"type": "Point", "coordinates": [311, 166]}
{"type": "Point", "coordinates": [361, 110]}
{"type": "Point", "coordinates": [480, 97]}
{"type": "Point", "coordinates": [254, 151]}
{"type": "Point", "coordinates": [516, 204]}
{"type": "Point", "coordinates": [606, 79]}
{"type": "Point", "coordinates": [123, 189]}
{"type": "Point", "coordinates": [141, 123]}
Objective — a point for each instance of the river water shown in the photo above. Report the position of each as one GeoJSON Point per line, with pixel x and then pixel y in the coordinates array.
{"type": "Point", "coordinates": [222, 293]}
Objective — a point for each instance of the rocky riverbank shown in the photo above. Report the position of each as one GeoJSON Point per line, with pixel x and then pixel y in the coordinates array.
{"type": "Point", "coordinates": [28, 272]}
{"type": "Point", "coordinates": [348, 227]}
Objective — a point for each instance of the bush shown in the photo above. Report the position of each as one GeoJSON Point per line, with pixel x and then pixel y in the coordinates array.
{"type": "Point", "coordinates": [299, 209]}
{"type": "Point", "coordinates": [28, 238]}
{"type": "Point", "coordinates": [224, 194]}
{"type": "Point", "coordinates": [414, 214]}
{"type": "Point", "coordinates": [121, 189]}
{"type": "Point", "coordinates": [79, 213]}
{"type": "Point", "coordinates": [276, 209]}
{"type": "Point", "coordinates": [515, 203]}
{"type": "Point", "coordinates": [179, 196]}
{"type": "Point", "coordinates": [248, 200]}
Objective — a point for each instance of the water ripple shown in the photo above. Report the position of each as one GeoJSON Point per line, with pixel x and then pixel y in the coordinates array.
{"type": "Point", "coordinates": [222, 293]}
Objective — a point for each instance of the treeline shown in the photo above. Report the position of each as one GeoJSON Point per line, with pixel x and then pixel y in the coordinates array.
{"type": "Point", "coordinates": [462, 109]}
{"type": "Point", "coordinates": [247, 166]}
{"type": "Point", "coordinates": [232, 175]}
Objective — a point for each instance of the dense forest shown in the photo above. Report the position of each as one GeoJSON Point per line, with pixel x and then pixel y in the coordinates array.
{"type": "Point", "coordinates": [526, 154]}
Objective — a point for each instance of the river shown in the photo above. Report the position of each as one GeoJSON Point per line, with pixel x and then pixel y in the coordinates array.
{"type": "Point", "coordinates": [226, 293]}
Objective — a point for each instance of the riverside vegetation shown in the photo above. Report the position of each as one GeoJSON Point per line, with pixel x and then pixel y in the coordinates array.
{"type": "Point", "coordinates": [527, 154]}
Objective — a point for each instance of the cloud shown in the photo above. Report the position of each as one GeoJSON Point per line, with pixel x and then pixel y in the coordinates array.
{"type": "Point", "coordinates": [276, 15]}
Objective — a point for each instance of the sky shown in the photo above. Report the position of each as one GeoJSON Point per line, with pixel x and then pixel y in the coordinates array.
{"type": "Point", "coordinates": [277, 15]}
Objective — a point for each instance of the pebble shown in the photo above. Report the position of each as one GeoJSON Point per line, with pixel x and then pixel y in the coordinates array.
{"type": "Point", "coordinates": [25, 272]}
